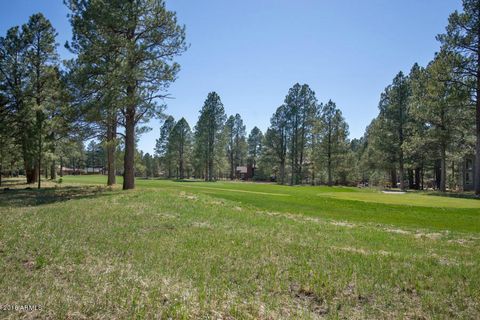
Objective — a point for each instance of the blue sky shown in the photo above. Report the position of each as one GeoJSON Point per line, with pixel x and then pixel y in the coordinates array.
{"type": "Point", "coordinates": [252, 51]}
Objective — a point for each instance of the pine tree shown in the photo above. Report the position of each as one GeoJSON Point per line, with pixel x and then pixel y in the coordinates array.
{"type": "Point", "coordinates": [41, 60]}
{"type": "Point", "coordinates": [236, 144]}
{"type": "Point", "coordinates": [276, 140]}
{"type": "Point", "coordinates": [148, 37]}
{"type": "Point", "coordinates": [440, 105]}
{"type": "Point", "coordinates": [333, 138]}
{"type": "Point", "coordinates": [180, 143]}
{"type": "Point", "coordinates": [162, 147]}
{"type": "Point", "coordinates": [14, 71]}
{"type": "Point", "coordinates": [301, 105]}
{"type": "Point", "coordinates": [208, 134]}
{"type": "Point", "coordinates": [254, 141]}
{"type": "Point", "coordinates": [463, 37]}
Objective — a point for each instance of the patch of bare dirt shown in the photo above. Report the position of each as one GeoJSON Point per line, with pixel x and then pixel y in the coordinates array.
{"type": "Point", "coordinates": [308, 298]}
{"type": "Point", "coordinates": [188, 196]}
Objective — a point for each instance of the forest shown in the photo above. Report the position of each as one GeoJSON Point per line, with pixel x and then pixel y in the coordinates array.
{"type": "Point", "coordinates": [85, 115]}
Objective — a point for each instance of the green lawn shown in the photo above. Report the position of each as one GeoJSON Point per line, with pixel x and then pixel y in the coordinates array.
{"type": "Point", "coordinates": [237, 250]}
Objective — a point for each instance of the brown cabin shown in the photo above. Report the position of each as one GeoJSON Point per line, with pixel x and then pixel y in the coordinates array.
{"type": "Point", "coordinates": [245, 172]}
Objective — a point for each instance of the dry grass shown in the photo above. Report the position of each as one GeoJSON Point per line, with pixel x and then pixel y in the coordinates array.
{"type": "Point", "coordinates": [94, 253]}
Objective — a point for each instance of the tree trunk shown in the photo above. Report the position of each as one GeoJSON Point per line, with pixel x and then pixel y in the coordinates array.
{"type": "Point", "coordinates": [422, 175]}
{"type": "Point", "coordinates": [477, 130]}
{"type": "Point", "coordinates": [282, 171]}
{"type": "Point", "coordinates": [232, 167]}
{"type": "Point", "coordinates": [206, 166]}
{"type": "Point", "coordinates": [210, 169]}
{"type": "Point", "coordinates": [111, 136]}
{"type": "Point", "coordinates": [437, 173]}
{"type": "Point", "coordinates": [313, 176]}
{"type": "Point", "coordinates": [453, 175]}
{"type": "Point", "coordinates": [417, 178]}
{"type": "Point", "coordinates": [329, 158]}
{"type": "Point", "coordinates": [443, 171]}
{"type": "Point", "coordinates": [393, 178]}
{"type": "Point", "coordinates": [129, 158]}
{"type": "Point", "coordinates": [39, 148]}
{"type": "Point", "coordinates": [460, 176]}
{"type": "Point", "coordinates": [477, 122]}
{"type": "Point", "coordinates": [180, 165]}
{"type": "Point", "coordinates": [61, 166]}
{"type": "Point", "coordinates": [410, 179]}
{"type": "Point", "coordinates": [31, 173]}
{"type": "Point", "coordinates": [53, 171]}
{"type": "Point", "coordinates": [401, 171]}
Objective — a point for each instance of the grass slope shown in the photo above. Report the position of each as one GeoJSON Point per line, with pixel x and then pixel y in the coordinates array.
{"type": "Point", "coordinates": [237, 250]}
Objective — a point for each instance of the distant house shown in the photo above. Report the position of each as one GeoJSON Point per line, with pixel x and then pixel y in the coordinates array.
{"type": "Point", "coordinates": [245, 172]}
{"type": "Point", "coordinates": [469, 173]}
{"type": "Point", "coordinates": [88, 170]}
{"type": "Point", "coordinates": [65, 170]}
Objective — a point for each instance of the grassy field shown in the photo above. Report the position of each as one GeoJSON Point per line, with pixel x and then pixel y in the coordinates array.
{"type": "Point", "coordinates": [237, 250]}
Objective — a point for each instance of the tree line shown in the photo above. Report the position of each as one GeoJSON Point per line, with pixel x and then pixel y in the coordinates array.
{"type": "Point", "coordinates": [303, 134]}
{"type": "Point", "coordinates": [428, 121]}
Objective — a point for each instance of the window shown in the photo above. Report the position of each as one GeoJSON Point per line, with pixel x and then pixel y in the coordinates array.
{"type": "Point", "coordinates": [469, 171]}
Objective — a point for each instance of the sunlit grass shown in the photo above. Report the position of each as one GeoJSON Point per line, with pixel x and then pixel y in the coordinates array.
{"type": "Point", "coordinates": [207, 250]}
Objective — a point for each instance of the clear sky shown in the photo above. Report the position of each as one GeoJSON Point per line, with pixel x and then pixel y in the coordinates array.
{"type": "Point", "coordinates": [252, 51]}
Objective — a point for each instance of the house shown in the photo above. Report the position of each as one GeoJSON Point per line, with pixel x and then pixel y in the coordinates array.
{"type": "Point", "coordinates": [469, 173]}
{"type": "Point", "coordinates": [70, 171]}
{"type": "Point", "coordinates": [88, 170]}
{"type": "Point", "coordinates": [245, 172]}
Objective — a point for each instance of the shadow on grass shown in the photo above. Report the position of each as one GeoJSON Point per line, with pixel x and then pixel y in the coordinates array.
{"type": "Point", "coordinates": [189, 180]}
{"type": "Point", "coordinates": [14, 182]}
{"type": "Point", "coordinates": [464, 195]}
{"type": "Point", "coordinates": [35, 197]}
{"type": "Point", "coordinates": [170, 179]}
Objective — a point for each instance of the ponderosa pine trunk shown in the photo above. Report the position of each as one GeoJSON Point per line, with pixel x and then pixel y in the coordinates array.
{"type": "Point", "coordinates": [313, 176]}
{"type": "Point", "coordinates": [29, 163]}
{"type": "Point", "coordinates": [39, 156]}
{"type": "Point", "coordinates": [443, 170]}
{"type": "Point", "coordinates": [232, 166]}
{"type": "Point", "coordinates": [393, 178]}
{"type": "Point", "coordinates": [129, 158]}
{"type": "Point", "coordinates": [181, 160]}
{"type": "Point", "coordinates": [210, 169]}
{"type": "Point", "coordinates": [417, 178]}
{"type": "Point", "coordinates": [437, 170]}
{"type": "Point", "coordinates": [477, 123]}
{"type": "Point", "coordinates": [53, 171]}
{"type": "Point", "coordinates": [401, 170]}
{"type": "Point", "coordinates": [411, 184]}
{"type": "Point", "coordinates": [211, 153]}
{"type": "Point", "coordinates": [31, 174]}
{"type": "Point", "coordinates": [329, 156]}
{"type": "Point", "coordinates": [111, 136]}
{"type": "Point", "coordinates": [282, 172]}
